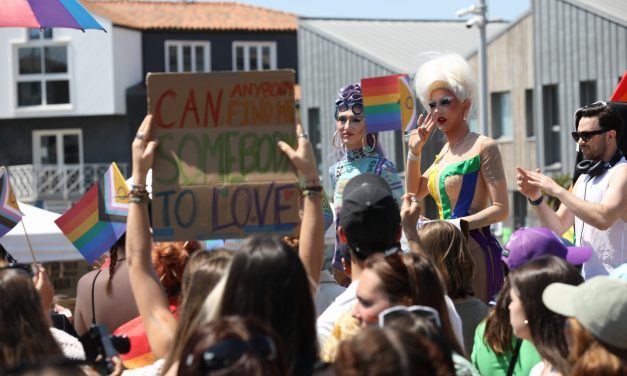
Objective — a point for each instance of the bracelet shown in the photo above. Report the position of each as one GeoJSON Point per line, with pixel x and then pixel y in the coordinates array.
{"type": "Point", "coordinates": [308, 193]}
{"type": "Point", "coordinates": [412, 157]}
{"type": "Point", "coordinates": [138, 199]}
{"type": "Point", "coordinates": [537, 201]}
{"type": "Point", "coordinates": [139, 186]}
{"type": "Point", "coordinates": [315, 188]}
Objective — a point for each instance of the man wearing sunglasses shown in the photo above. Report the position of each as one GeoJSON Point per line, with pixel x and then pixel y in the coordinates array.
{"type": "Point", "coordinates": [597, 205]}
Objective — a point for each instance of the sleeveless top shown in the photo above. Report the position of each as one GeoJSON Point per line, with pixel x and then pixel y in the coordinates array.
{"type": "Point", "coordinates": [608, 245]}
{"type": "Point", "coordinates": [457, 186]}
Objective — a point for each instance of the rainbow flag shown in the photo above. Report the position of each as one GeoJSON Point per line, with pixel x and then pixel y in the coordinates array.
{"type": "Point", "coordinates": [620, 94]}
{"type": "Point", "coordinates": [389, 103]}
{"type": "Point", "coordinates": [98, 219]}
{"type": "Point", "coordinates": [10, 214]}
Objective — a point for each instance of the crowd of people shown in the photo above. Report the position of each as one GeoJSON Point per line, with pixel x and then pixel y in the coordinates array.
{"type": "Point", "coordinates": [455, 302]}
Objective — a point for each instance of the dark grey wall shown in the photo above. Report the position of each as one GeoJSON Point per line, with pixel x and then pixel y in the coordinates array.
{"type": "Point", "coordinates": [105, 138]}
{"type": "Point", "coordinates": [153, 43]}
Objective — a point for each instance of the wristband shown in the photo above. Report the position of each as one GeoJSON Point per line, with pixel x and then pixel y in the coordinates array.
{"type": "Point", "coordinates": [314, 188]}
{"type": "Point", "coordinates": [308, 193]}
{"type": "Point", "coordinates": [537, 201]}
{"type": "Point", "coordinates": [412, 157]}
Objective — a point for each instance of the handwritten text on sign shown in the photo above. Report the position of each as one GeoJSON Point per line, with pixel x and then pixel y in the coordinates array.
{"type": "Point", "coordinates": [218, 172]}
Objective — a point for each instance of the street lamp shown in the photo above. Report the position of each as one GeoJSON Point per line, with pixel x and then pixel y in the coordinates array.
{"type": "Point", "coordinates": [479, 20]}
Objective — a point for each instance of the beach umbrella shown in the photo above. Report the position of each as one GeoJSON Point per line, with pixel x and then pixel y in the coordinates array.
{"type": "Point", "coordinates": [43, 14]}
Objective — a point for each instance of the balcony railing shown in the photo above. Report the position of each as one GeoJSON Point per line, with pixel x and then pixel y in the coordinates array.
{"type": "Point", "coordinates": [51, 182]}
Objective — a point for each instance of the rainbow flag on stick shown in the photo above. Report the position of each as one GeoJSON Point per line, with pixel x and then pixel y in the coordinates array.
{"type": "Point", "coordinates": [389, 103]}
{"type": "Point", "coordinates": [10, 214]}
{"type": "Point", "coordinates": [620, 94]}
{"type": "Point", "coordinates": [98, 219]}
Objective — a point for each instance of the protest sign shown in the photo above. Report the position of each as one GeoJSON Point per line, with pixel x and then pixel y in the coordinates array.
{"type": "Point", "coordinates": [218, 172]}
{"type": "Point", "coordinates": [389, 103]}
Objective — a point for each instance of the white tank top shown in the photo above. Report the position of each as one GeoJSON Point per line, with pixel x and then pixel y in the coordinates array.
{"type": "Point", "coordinates": [609, 245]}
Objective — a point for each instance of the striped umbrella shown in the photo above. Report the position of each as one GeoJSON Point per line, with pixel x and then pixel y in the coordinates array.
{"type": "Point", "coordinates": [46, 14]}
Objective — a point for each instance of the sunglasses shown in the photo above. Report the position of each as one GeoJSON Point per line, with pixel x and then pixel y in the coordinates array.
{"type": "Point", "coordinates": [444, 102]}
{"type": "Point", "coordinates": [228, 351]}
{"type": "Point", "coordinates": [24, 268]}
{"type": "Point", "coordinates": [341, 106]}
{"type": "Point", "coordinates": [587, 135]}
{"type": "Point", "coordinates": [429, 313]}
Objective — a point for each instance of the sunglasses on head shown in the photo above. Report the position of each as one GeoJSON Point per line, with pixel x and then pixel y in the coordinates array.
{"type": "Point", "coordinates": [444, 102]}
{"type": "Point", "coordinates": [429, 313]}
{"type": "Point", "coordinates": [587, 135]}
{"type": "Point", "coordinates": [228, 351]}
{"type": "Point", "coordinates": [24, 268]}
{"type": "Point", "coordinates": [341, 106]}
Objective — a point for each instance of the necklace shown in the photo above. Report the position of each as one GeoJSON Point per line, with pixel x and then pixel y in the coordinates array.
{"type": "Point", "coordinates": [460, 141]}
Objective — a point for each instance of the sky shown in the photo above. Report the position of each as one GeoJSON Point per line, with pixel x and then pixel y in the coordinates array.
{"type": "Point", "coordinates": [394, 9]}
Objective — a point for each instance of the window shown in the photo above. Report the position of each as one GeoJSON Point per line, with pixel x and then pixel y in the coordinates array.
{"type": "Point", "coordinates": [42, 71]}
{"type": "Point", "coordinates": [501, 115]}
{"type": "Point", "coordinates": [520, 210]}
{"type": "Point", "coordinates": [254, 56]}
{"type": "Point", "coordinates": [529, 112]}
{"type": "Point", "coordinates": [551, 129]}
{"type": "Point", "coordinates": [587, 92]}
{"type": "Point", "coordinates": [57, 147]}
{"type": "Point", "coordinates": [187, 56]}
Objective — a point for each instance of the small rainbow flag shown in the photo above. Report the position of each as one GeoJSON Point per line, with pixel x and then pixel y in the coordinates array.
{"type": "Point", "coordinates": [10, 214]}
{"type": "Point", "coordinates": [98, 219]}
{"type": "Point", "coordinates": [620, 94]}
{"type": "Point", "coordinates": [389, 103]}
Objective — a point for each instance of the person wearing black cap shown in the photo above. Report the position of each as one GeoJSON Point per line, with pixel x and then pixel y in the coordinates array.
{"type": "Point", "coordinates": [370, 222]}
{"type": "Point", "coordinates": [596, 205]}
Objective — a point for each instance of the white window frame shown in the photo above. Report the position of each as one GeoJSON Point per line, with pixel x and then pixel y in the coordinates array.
{"type": "Point", "coordinates": [42, 77]}
{"type": "Point", "coordinates": [59, 133]}
{"type": "Point", "coordinates": [179, 44]}
{"type": "Point", "coordinates": [246, 45]}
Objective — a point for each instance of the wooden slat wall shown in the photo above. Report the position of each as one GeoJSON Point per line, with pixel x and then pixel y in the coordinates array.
{"type": "Point", "coordinates": [510, 68]}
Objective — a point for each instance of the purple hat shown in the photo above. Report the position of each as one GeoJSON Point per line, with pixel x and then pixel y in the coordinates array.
{"type": "Point", "coordinates": [525, 244]}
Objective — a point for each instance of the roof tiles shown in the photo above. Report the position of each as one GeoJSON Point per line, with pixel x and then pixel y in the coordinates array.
{"type": "Point", "coordinates": [190, 15]}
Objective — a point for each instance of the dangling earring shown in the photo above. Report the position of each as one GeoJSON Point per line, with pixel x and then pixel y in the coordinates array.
{"type": "Point", "coordinates": [335, 144]}
{"type": "Point", "coordinates": [364, 143]}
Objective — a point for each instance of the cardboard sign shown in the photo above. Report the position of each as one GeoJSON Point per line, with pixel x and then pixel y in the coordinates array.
{"type": "Point", "coordinates": [218, 172]}
{"type": "Point", "coordinates": [389, 103]}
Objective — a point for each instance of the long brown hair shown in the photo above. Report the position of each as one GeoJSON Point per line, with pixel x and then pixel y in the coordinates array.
{"type": "Point", "coordinates": [202, 273]}
{"type": "Point", "coordinates": [267, 280]}
{"type": "Point", "coordinates": [448, 249]}
{"type": "Point", "coordinates": [546, 326]}
{"type": "Point", "coordinates": [414, 276]}
{"type": "Point", "coordinates": [25, 337]}
{"type": "Point", "coordinates": [589, 356]}
{"type": "Point", "coordinates": [498, 332]}
{"type": "Point", "coordinates": [392, 351]}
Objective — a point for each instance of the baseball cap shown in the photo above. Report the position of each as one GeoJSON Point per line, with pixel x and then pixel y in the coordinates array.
{"type": "Point", "coordinates": [525, 244]}
{"type": "Point", "coordinates": [599, 304]}
{"type": "Point", "coordinates": [370, 217]}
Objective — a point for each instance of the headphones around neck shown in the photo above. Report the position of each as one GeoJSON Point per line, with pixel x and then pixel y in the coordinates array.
{"type": "Point", "coordinates": [596, 168]}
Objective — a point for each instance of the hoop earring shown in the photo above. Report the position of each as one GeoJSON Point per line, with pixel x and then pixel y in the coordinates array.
{"type": "Point", "coordinates": [367, 148]}
{"type": "Point", "coordinates": [334, 143]}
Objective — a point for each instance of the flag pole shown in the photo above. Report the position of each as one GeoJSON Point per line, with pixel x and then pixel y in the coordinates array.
{"type": "Point", "coordinates": [30, 247]}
